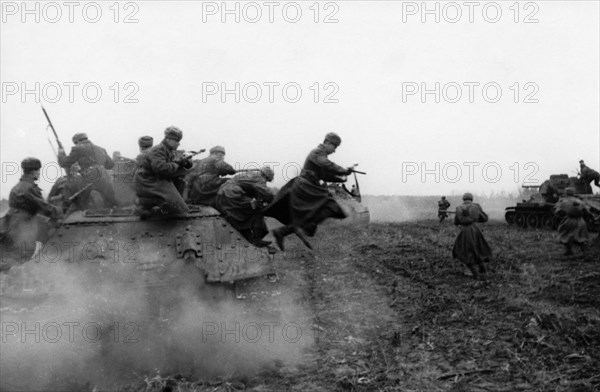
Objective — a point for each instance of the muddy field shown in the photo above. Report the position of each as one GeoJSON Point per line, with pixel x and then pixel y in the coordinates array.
{"type": "Point", "coordinates": [386, 308]}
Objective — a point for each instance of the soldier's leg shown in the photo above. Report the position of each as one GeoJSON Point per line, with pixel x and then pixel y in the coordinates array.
{"type": "Point", "coordinates": [281, 233]}
{"type": "Point", "coordinates": [568, 249]}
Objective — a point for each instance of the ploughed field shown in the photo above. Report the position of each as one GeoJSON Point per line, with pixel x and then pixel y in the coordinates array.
{"type": "Point", "coordinates": [387, 308]}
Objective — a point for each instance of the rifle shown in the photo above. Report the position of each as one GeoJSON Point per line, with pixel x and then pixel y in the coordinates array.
{"type": "Point", "coordinates": [79, 192]}
{"type": "Point", "coordinates": [60, 146]}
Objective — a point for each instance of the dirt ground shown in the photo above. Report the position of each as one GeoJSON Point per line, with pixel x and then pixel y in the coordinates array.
{"type": "Point", "coordinates": [392, 311]}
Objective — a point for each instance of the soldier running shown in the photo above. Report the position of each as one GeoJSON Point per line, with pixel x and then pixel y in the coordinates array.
{"type": "Point", "coordinates": [206, 177]}
{"type": "Point", "coordinates": [470, 246]}
{"type": "Point", "coordinates": [303, 203]}
{"type": "Point", "coordinates": [573, 229]}
{"type": "Point", "coordinates": [26, 222]}
{"type": "Point", "coordinates": [241, 201]}
{"type": "Point", "coordinates": [93, 161]}
{"type": "Point", "coordinates": [156, 177]}
{"type": "Point", "coordinates": [443, 206]}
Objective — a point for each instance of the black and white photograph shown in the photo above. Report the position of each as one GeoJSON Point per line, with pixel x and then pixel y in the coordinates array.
{"type": "Point", "coordinates": [309, 195]}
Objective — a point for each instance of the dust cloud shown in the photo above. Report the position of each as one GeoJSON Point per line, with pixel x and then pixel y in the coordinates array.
{"type": "Point", "coordinates": [82, 326]}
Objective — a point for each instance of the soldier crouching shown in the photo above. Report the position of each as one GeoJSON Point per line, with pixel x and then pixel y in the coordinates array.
{"type": "Point", "coordinates": [158, 175]}
{"type": "Point", "coordinates": [241, 201]}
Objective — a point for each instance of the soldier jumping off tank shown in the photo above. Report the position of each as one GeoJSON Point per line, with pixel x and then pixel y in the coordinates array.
{"type": "Point", "coordinates": [303, 203]}
{"type": "Point", "coordinates": [206, 177]}
{"type": "Point", "coordinates": [156, 177]}
{"type": "Point", "coordinates": [93, 161]}
{"type": "Point", "coordinates": [241, 201]}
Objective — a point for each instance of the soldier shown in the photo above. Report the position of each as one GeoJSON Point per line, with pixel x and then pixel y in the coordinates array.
{"type": "Point", "coordinates": [25, 221]}
{"type": "Point", "coordinates": [145, 144]}
{"type": "Point", "coordinates": [304, 202]}
{"type": "Point", "coordinates": [443, 206]}
{"type": "Point", "coordinates": [470, 246]}
{"type": "Point", "coordinates": [241, 201]}
{"type": "Point", "coordinates": [588, 175]}
{"type": "Point", "coordinates": [205, 178]}
{"type": "Point", "coordinates": [93, 161]}
{"type": "Point", "coordinates": [572, 229]}
{"type": "Point", "coordinates": [157, 174]}
{"type": "Point", "coordinates": [65, 187]}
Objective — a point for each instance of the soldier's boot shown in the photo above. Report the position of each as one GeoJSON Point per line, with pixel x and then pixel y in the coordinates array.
{"type": "Point", "coordinates": [474, 271]}
{"type": "Point", "coordinates": [280, 234]}
{"type": "Point", "coordinates": [568, 250]}
{"type": "Point", "coordinates": [482, 272]}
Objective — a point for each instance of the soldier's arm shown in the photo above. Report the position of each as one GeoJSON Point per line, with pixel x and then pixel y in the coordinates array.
{"type": "Point", "coordinates": [224, 168]}
{"type": "Point", "coordinates": [108, 162]}
{"type": "Point", "coordinates": [483, 217]}
{"type": "Point", "coordinates": [34, 198]}
{"type": "Point", "coordinates": [160, 165]}
{"type": "Point", "coordinates": [456, 217]}
{"type": "Point", "coordinates": [331, 168]}
{"type": "Point", "coordinates": [66, 161]}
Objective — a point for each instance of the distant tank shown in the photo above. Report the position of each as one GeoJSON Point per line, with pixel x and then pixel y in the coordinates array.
{"type": "Point", "coordinates": [538, 211]}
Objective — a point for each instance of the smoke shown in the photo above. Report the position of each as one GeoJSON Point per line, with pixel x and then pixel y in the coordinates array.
{"type": "Point", "coordinates": [79, 326]}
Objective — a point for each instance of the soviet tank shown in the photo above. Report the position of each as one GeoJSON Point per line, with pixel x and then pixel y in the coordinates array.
{"type": "Point", "coordinates": [199, 249]}
{"type": "Point", "coordinates": [538, 211]}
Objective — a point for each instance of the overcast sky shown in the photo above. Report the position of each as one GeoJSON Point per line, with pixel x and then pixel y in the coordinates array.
{"type": "Point", "coordinates": [520, 100]}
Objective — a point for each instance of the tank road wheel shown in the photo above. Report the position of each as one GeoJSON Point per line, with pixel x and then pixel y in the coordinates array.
{"type": "Point", "coordinates": [520, 220]}
{"type": "Point", "coordinates": [548, 222]}
{"type": "Point", "coordinates": [510, 217]}
{"type": "Point", "coordinates": [533, 221]}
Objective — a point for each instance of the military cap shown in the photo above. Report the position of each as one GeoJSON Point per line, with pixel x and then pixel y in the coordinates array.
{"type": "Point", "coordinates": [173, 133]}
{"type": "Point", "coordinates": [145, 141]}
{"type": "Point", "coordinates": [333, 138]}
{"type": "Point", "coordinates": [468, 196]}
{"type": "Point", "coordinates": [31, 163]}
{"type": "Point", "coordinates": [79, 137]}
{"type": "Point", "coordinates": [569, 191]}
{"type": "Point", "coordinates": [216, 149]}
{"type": "Point", "coordinates": [267, 172]}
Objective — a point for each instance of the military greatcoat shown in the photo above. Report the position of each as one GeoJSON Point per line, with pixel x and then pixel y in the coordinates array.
{"type": "Point", "coordinates": [155, 180]}
{"type": "Point", "coordinates": [205, 179]}
{"type": "Point", "coordinates": [305, 201]}
{"type": "Point", "coordinates": [93, 161]}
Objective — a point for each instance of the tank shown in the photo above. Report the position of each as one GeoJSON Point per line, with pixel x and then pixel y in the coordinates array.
{"type": "Point", "coordinates": [199, 249]}
{"type": "Point", "coordinates": [538, 211]}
